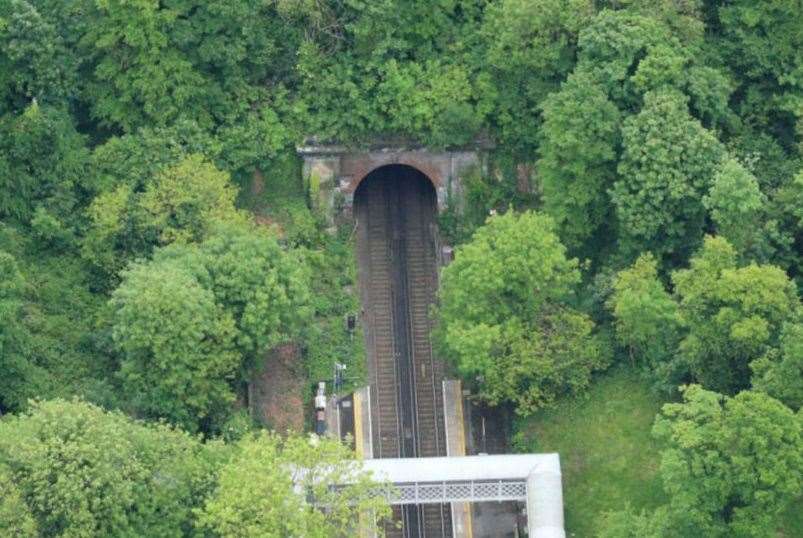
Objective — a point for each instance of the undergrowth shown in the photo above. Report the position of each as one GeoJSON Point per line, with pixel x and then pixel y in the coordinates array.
{"type": "Point", "coordinates": [277, 197]}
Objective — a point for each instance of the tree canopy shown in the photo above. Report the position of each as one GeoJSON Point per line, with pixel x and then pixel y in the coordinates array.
{"type": "Point", "coordinates": [667, 165]}
{"type": "Point", "coordinates": [647, 319]}
{"type": "Point", "coordinates": [733, 314]}
{"type": "Point", "coordinates": [176, 343]}
{"type": "Point", "coordinates": [722, 318]}
{"type": "Point", "coordinates": [274, 487]}
{"type": "Point", "coordinates": [190, 323]}
{"type": "Point", "coordinates": [69, 468]}
{"type": "Point", "coordinates": [19, 380]}
{"type": "Point", "coordinates": [180, 203]}
{"type": "Point", "coordinates": [81, 471]}
{"type": "Point", "coordinates": [642, 161]}
{"type": "Point", "coordinates": [729, 466]}
{"type": "Point", "coordinates": [504, 314]}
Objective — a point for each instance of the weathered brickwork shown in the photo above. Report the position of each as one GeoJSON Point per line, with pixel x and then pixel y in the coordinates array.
{"type": "Point", "coordinates": [332, 172]}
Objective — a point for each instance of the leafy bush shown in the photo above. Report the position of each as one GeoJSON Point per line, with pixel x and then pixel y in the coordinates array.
{"type": "Point", "coordinates": [504, 319]}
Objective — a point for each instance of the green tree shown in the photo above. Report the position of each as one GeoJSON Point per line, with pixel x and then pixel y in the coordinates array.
{"type": "Point", "coordinates": [733, 315]}
{"type": "Point", "coordinates": [127, 88]}
{"type": "Point", "coordinates": [177, 345]}
{"type": "Point", "coordinates": [528, 49]}
{"type": "Point", "coordinates": [611, 47]}
{"type": "Point", "coordinates": [34, 61]}
{"type": "Point", "coordinates": [20, 375]}
{"type": "Point", "coordinates": [579, 142]}
{"type": "Point", "coordinates": [43, 164]}
{"type": "Point", "coordinates": [736, 205]}
{"type": "Point", "coordinates": [135, 159]}
{"type": "Point", "coordinates": [653, 46]}
{"type": "Point", "coordinates": [730, 464]}
{"type": "Point", "coordinates": [195, 321]}
{"type": "Point", "coordinates": [283, 487]}
{"type": "Point", "coordinates": [760, 43]}
{"type": "Point", "coordinates": [774, 168]}
{"type": "Point", "coordinates": [646, 318]}
{"type": "Point", "coordinates": [787, 208]}
{"type": "Point", "coordinates": [504, 319]}
{"type": "Point", "coordinates": [15, 516]}
{"type": "Point", "coordinates": [82, 471]}
{"type": "Point", "coordinates": [667, 166]}
{"type": "Point", "coordinates": [264, 287]}
{"type": "Point", "coordinates": [180, 203]}
{"type": "Point", "coordinates": [385, 68]}
{"type": "Point", "coordinates": [185, 199]}
{"type": "Point", "coordinates": [779, 372]}
{"type": "Point", "coordinates": [225, 67]}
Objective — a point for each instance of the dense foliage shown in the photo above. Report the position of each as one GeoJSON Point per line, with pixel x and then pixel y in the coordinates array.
{"type": "Point", "coordinates": [194, 316]}
{"type": "Point", "coordinates": [505, 320]}
{"type": "Point", "coordinates": [252, 498]}
{"type": "Point", "coordinates": [723, 320]}
{"type": "Point", "coordinates": [80, 471]}
{"type": "Point", "coordinates": [72, 469]}
{"type": "Point", "coordinates": [729, 467]}
{"type": "Point", "coordinates": [156, 241]}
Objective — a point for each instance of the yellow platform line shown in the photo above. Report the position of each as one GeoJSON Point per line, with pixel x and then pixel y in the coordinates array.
{"type": "Point", "coordinates": [460, 450]}
{"type": "Point", "coordinates": [462, 441]}
{"type": "Point", "coordinates": [356, 407]}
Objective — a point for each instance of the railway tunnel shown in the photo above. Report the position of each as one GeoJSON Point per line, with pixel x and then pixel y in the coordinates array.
{"type": "Point", "coordinates": [397, 246]}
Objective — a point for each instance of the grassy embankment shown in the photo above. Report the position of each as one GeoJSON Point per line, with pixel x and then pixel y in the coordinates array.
{"type": "Point", "coordinates": [608, 456]}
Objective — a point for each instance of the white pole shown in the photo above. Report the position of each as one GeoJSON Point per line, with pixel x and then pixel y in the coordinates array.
{"type": "Point", "coordinates": [545, 500]}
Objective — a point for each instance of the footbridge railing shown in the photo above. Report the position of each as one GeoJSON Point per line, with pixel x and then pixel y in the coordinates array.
{"type": "Point", "coordinates": [464, 491]}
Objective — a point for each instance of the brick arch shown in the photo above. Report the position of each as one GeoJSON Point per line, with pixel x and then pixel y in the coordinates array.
{"type": "Point", "coordinates": [437, 167]}
{"type": "Point", "coordinates": [363, 170]}
{"type": "Point", "coordinates": [333, 172]}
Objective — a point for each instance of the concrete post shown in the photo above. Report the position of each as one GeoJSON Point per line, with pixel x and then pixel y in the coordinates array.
{"type": "Point", "coordinates": [545, 500]}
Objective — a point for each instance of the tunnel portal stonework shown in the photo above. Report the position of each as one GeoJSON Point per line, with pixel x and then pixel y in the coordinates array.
{"type": "Point", "coordinates": [332, 172]}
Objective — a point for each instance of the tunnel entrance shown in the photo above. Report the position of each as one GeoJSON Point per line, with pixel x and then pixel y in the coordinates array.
{"type": "Point", "coordinates": [395, 208]}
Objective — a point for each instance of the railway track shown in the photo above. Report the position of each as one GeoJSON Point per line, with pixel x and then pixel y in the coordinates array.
{"type": "Point", "coordinates": [398, 272]}
{"type": "Point", "coordinates": [380, 329]}
{"type": "Point", "coordinates": [421, 278]}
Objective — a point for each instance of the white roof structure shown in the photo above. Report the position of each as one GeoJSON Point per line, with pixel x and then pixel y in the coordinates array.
{"type": "Point", "coordinates": [461, 468]}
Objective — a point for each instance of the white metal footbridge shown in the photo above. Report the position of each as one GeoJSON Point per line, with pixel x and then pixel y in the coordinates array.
{"type": "Point", "coordinates": [533, 478]}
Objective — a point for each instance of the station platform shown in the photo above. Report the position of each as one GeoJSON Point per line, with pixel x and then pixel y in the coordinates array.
{"type": "Point", "coordinates": [479, 490]}
{"type": "Point", "coordinates": [455, 431]}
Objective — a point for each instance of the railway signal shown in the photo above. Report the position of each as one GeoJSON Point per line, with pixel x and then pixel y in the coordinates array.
{"type": "Point", "coordinates": [339, 375]}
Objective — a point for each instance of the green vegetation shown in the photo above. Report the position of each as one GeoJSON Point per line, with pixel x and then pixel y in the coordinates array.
{"type": "Point", "coordinates": [611, 461]}
{"type": "Point", "coordinates": [280, 201]}
{"type": "Point", "coordinates": [157, 241]}
{"type": "Point", "coordinates": [72, 469]}
{"type": "Point", "coordinates": [83, 471]}
{"type": "Point", "coordinates": [504, 317]}
{"type": "Point", "coordinates": [729, 466]}
{"type": "Point", "coordinates": [176, 344]}
{"type": "Point", "coordinates": [252, 495]}
{"type": "Point", "coordinates": [608, 457]}
{"type": "Point", "coordinates": [732, 314]}
{"type": "Point", "coordinates": [722, 318]}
